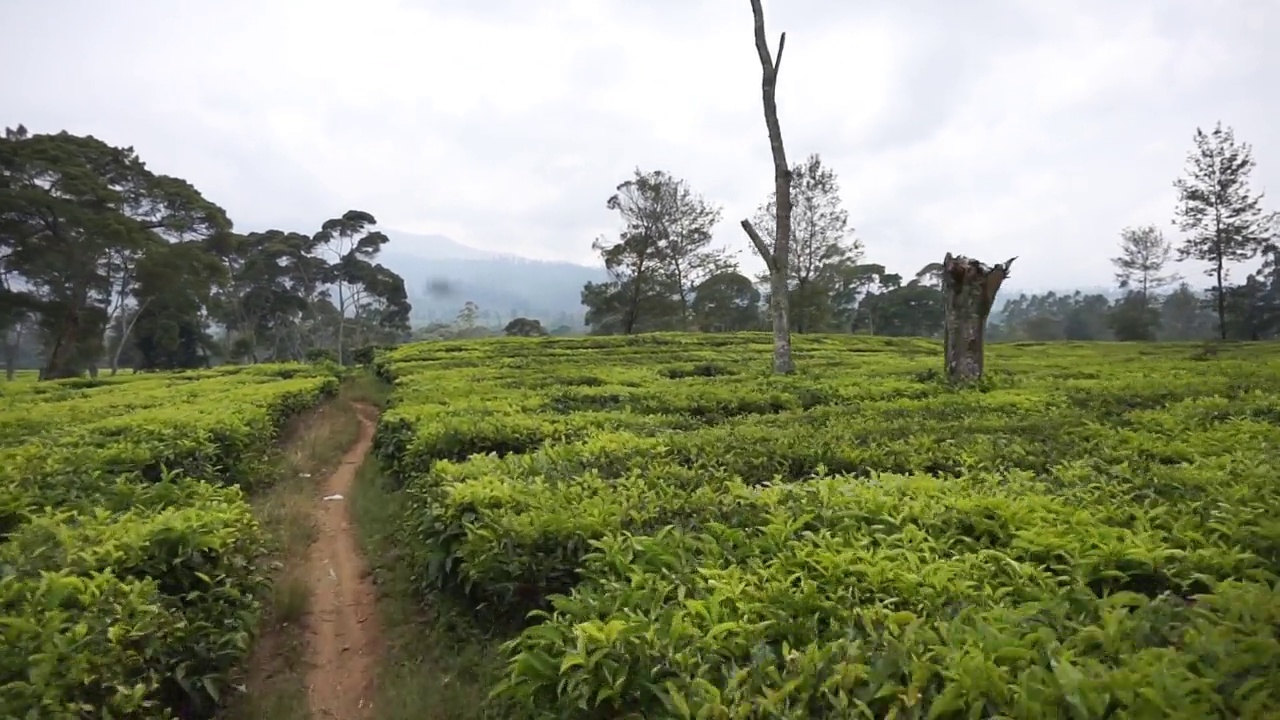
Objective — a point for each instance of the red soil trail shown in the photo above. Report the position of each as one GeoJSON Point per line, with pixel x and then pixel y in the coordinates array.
{"type": "Point", "coordinates": [342, 627]}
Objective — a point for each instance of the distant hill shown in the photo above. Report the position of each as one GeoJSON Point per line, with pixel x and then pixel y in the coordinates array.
{"type": "Point", "coordinates": [441, 275]}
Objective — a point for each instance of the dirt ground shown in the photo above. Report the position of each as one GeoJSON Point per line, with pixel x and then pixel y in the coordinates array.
{"type": "Point", "coordinates": [341, 624]}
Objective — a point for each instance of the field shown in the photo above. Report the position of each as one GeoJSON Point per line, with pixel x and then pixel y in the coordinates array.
{"type": "Point", "coordinates": [128, 575]}
{"type": "Point", "coordinates": [669, 531]}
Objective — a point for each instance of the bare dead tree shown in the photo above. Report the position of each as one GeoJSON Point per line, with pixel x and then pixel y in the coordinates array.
{"type": "Point", "coordinates": [775, 259]}
{"type": "Point", "coordinates": [970, 290]}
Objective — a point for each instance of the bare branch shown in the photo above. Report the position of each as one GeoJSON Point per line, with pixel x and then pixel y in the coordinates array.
{"type": "Point", "coordinates": [777, 62]}
{"type": "Point", "coordinates": [762, 45]}
{"type": "Point", "coordinates": [758, 241]}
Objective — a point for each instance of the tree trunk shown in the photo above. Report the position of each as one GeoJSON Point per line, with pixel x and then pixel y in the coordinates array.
{"type": "Point", "coordinates": [775, 260]}
{"type": "Point", "coordinates": [342, 321]}
{"type": "Point", "coordinates": [1222, 302]}
{"type": "Point", "coordinates": [970, 289]}
{"type": "Point", "coordinates": [124, 337]}
{"type": "Point", "coordinates": [11, 350]}
{"type": "Point", "coordinates": [62, 357]}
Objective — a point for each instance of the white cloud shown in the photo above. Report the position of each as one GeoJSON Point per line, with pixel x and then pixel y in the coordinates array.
{"type": "Point", "coordinates": [994, 128]}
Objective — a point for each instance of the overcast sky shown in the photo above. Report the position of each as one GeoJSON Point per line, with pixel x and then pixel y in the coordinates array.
{"type": "Point", "coordinates": [1036, 128]}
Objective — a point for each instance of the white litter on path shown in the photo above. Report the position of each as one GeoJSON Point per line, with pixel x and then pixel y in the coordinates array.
{"type": "Point", "coordinates": [332, 497]}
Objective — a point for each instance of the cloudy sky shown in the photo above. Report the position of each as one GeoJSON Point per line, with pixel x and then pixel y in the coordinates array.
{"type": "Point", "coordinates": [1036, 128]}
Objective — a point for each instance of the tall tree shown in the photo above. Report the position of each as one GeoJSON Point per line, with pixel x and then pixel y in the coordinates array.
{"type": "Point", "coordinates": [777, 258]}
{"type": "Point", "coordinates": [1221, 214]}
{"type": "Point", "coordinates": [1144, 253]}
{"type": "Point", "coordinates": [854, 284]}
{"type": "Point", "coordinates": [684, 228]}
{"type": "Point", "coordinates": [76, 215]}
{"type": "Point", "coordinates": [821, 243]}
{"type": "Point", "coordinates": [172, 291]}
{"type": "Point", "coordinates": [352, 245]}
{"type": "Point", "coordinates": [663, 253]}
{"type": "Point", "coordinates": [271, 287]}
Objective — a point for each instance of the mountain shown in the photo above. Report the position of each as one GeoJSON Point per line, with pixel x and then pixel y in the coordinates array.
{"type": "Point", "coordinates": [434, 247]}
{"type": "Point", "coordinates": [441, 275]}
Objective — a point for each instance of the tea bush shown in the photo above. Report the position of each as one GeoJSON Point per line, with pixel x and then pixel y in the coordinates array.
{"type": "Point", "coordinates": [1093, 531]}
{"type": "Point", "coordinates": [128, 578]}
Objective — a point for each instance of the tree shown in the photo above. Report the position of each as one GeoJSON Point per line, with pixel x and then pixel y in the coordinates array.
{"type": "Point", "coordinates": [820, 243]}
{"type": "Point", "coordinates": [1144, 252]}
{"type": "Point", "coordinates": [1216, 207]}
{"type": "Point", "coordinates": [77, 215]}
{"type": "Point", "coordinates": [914, 309]}
{"type": "Point", "coordinates": [468, 315]}
{"type": "Point", "coordinates": [777, 258]}
{"type": "Point", "coordinates": [524, 327]}
{"type": "Point", "coordinates": [1134, 318]}
{"type": "Point", "coordinates": [1184, 315]}
{"type": "Point", "coordinates": [969, 289]}
{"type": "Point", "coordinates": [853, 285]}
{"type": "Point", "coordinates": [100, 257]}
{"type": "Point", "coordinates": [352, 245]}
{"type": "Point", "coordinates": [270, 294]}
{"type": "Point", "coordinates": [173, 289]}
{"type": "Point", "coordinates": [381, 305]}
{"type": "Point", "coordinates": [1143, 255]}
{"type": "Point", "coordinates": [685, 253]}
{"type": "Point", "coordinates": [663, 253]}
{"type": "Point", "coordinates": [727, 302]}
{"type": "Point", "coordinates": [1085, 316]}
{"type": "Point", "coordinates": [607, 307]}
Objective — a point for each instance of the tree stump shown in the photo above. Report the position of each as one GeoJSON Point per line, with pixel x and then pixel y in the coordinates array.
{"type": "Point", "coordinates": [970, 289]}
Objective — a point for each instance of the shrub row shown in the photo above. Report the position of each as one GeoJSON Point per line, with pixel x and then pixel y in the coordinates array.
{"type": "Point", "coordinates": [1091, 533]}
{"type": "Point", "coordinates": [128, 581]}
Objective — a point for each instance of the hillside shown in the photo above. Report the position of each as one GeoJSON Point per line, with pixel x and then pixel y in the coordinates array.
{"type": "Point", "coordinates": [441, 275]}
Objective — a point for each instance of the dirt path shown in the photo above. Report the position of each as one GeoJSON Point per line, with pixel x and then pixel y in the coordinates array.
{"type": "Point", "coordinates": [342, 633]}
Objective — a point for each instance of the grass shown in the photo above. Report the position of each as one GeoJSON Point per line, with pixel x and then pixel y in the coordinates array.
{"type": "Point", "coordinates": [437, 666]}
{"type": "Point", "coordinates": [312, 446]}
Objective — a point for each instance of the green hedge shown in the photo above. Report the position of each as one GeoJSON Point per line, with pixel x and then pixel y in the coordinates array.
{"type": "Point", "coordinates": [129, 586]}
{"type": "Point", "coordinates": [1092, 532]}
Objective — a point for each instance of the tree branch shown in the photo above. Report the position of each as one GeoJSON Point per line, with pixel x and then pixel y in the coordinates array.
{"type": "Point", "coordinates": [782, 42]}
{"type": "Point", "coordinates": [762, 45]}
{"type": "Point", "coordinates": [758, 241]}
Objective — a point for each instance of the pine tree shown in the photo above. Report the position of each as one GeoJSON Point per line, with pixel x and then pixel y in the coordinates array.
{"type": "Point", "coordinates": [1223, 218]}
{"type": "Point", "coordinates": [1144, 252]}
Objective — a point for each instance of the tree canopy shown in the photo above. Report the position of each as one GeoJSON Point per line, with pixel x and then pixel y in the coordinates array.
{"type": "Point", "coordinates": [104, 261]}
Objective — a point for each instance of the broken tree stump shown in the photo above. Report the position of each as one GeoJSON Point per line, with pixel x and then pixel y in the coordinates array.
{"type": "Point", "coordinates": [969, 289]}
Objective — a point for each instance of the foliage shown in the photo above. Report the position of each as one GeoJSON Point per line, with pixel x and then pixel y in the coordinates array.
{"type": "Point", "coordinates": [128, 583]}
{"type": "Point", "coordinates": [821, 244]}
{"type": "Point", "coordinates": [1144, 253]}
{"type": "Point", "coordinates": [524, 327]}
{"type": "Point", "coordinates": [662, 256]}
{"type": "Point", "coordinates": [1221, 214]}
{"type": "Point", "coordinates": [1133, 318]}
{"type": "Point", "coordinates": [727, 302]}
{"type": "Point", "coordinates": [103, 260]}
{"type": "Point", "coordinates": [1090, 532]}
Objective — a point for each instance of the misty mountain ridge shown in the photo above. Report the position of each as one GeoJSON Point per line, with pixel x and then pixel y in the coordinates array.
{"type": "Point", "coordinates": [442, 274]}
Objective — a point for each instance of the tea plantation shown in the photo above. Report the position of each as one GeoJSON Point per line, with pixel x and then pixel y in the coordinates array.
{"type": "Point", "coordinates": [671, 532]}
{"type": "Point", "coordinates": [128, 583]}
